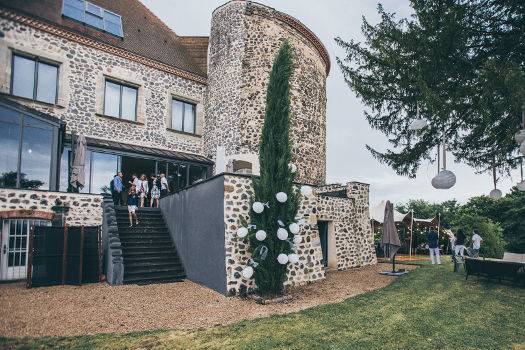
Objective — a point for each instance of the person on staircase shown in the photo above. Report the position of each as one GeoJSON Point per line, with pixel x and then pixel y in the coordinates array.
{"type": "Point", "coordinates": [155, 191]}
{"type": "Point", "coordinates": [142, 189]}
{"type": "Point", "coordinates": [133, 201]}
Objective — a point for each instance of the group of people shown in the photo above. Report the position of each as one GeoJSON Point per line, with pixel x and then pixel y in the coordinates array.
{"type": "Point", "coordinates": [138, 192]}
{"type": "Point", "coordinates": [458, 244]}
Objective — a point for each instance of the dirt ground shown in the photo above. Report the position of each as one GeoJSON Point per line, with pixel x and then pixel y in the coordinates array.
{"type": "Point", "coordinates": [100, 308]}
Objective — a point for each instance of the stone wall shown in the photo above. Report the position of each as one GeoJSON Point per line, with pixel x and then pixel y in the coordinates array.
{"type": "Point", "coordinates": [79, 209]}
{"type": "Point", "coordinates": [348, 216]}
{"type": "Point", "coordinates": [244, 40]}
{"type": "Point", "coordinates": [82, 71]}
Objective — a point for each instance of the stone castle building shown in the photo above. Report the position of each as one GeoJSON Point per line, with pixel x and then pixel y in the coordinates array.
{"type": "Point", "coordinates": [150, 101]}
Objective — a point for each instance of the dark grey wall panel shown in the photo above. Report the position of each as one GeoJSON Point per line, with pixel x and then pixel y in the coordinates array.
{"type": "Point", "coordinates": [195, 218]}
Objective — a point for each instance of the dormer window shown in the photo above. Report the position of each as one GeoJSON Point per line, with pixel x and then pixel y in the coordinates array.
{"type": "Point", "coordinates": [93, 15]}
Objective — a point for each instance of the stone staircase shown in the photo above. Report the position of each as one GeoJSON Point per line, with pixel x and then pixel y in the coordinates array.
{"type": "Point", "coordinates": [147, 249]}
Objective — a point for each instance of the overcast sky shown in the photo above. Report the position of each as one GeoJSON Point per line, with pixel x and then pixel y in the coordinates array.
{"type": "Point", "coordinates": [347, 129]}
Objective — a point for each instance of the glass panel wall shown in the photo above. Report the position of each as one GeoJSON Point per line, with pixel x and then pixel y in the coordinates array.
{"type": "Point", "coordinates": [9, 144]}
{"type": "Point", "coordinates": [197, 173]}
{"type": "Point", "coordinates": [27, 158]}
{"type": "Point", "coordinates": [104, 166]}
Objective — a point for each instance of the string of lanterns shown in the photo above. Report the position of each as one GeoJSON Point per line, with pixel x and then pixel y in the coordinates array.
{"type": "Point", "coordinates": [294, 228]}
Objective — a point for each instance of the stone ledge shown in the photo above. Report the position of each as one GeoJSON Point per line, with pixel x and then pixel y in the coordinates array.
{"type": "Point", "coordinates": [26, 213]}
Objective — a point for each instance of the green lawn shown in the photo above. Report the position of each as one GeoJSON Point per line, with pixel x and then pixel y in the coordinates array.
{"type": "Point", "coordinates": [431, 308]}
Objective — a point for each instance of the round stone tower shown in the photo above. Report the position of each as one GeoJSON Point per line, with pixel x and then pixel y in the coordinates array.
{"type": "Point", "coordinates": [244, 40]}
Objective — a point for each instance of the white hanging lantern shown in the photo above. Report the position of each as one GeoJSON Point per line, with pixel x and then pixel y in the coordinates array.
{"type": "Point", "coordinates": [306, 191]}
{"type": "Point", "coordinates": [281, 197]}
{"type": "Point", "coordinates": [521, 185]}
{"type": "Point", "coordinates": [247, 272]}
{"type": "Point", "coordinates": [282, 234]}
{"type": "Point", "coordinates": [258, 207]}
{"type": "Point", "coordinates": [297, 239]}
{"type": "Point", "coordinates": [444, 180]}
{"type": "Point", "coordinates": [522, 148]}
{"type": "Point", "coordinates": [282, 259]}
{"type": "Point", "coordinates": [520, 136]}
{"type": "Point", "coordinates": [293, 258]}
{"type": "Point", "coordinates": [294, 228]}
{"type": "Point", "coordinates": [417, 124]}
{"type": "Point", "coordinates": [242, 232]}
{"type": "Point", "coordinates": [495, 194]}
{"type": "Point", "coordinates": [260, 235]}
{"type": "Point", "coordinates": [292, 167]}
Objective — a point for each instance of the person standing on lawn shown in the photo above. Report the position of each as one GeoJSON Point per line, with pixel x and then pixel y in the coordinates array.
{"type": "Point", "coordinates": [476, 243]}
{"type": "Point", "coordinates": [133, 202]}
{"type": "Point", "coordinates": [433, 246]}
{"type": "Point", "coordinates": [459, 249]}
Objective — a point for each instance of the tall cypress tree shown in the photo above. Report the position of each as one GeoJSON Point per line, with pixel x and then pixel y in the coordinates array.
{"type": "Point", "coordinates": [275, 176]}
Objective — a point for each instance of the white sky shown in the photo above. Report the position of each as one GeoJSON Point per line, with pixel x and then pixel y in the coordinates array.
{"type": "Point", "coordinates": [347, 129]}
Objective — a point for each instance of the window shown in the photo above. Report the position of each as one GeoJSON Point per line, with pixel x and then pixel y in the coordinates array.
{"type": "Point", "coordinates": [182, 116]}
{"type": "Point", "coordinates": [120, 101]}
{"type": "Point", "coordinates": [34, 79]}
{"type": "Point", "coordinates": [197, 173]}
{"type": "Point", "coordinates": [93, 15]}
{"type": "Point", "coordinates": [27, 145]}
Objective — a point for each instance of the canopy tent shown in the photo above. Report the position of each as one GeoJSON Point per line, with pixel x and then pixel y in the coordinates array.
{"type": "Point", "coordinates": [377, 213]}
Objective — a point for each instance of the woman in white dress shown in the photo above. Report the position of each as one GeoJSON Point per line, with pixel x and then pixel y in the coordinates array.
{"type": "Point", "coordinates": [142, 189]}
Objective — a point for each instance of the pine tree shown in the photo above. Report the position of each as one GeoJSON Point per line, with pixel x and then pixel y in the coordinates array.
{"type": "Point", "coordinates": [275, 176]}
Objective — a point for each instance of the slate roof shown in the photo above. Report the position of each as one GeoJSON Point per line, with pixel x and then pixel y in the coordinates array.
{"type": "Point", "coordinates": [144, 33]}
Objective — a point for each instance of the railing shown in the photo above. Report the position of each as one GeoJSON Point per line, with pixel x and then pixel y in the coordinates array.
{"type": "Point", "coordinates": [113, 261]}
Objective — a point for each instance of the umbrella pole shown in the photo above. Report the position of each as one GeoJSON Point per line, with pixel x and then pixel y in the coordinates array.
{"type": "Point", "coordinates": [394, 263]}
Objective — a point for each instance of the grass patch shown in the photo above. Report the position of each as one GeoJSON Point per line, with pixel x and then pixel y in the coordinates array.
{"type": "Point", "coordinates": [431, 308]}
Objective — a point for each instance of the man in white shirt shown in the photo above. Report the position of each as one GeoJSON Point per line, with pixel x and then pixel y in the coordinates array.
{"type": "Point", "coordinates": [164, 187]}
{"type": "Point", "coordinates": [476, 243]}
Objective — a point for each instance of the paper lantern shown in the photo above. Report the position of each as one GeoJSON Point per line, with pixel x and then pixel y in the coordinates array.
{"type": "Point", "coordinates": [282, 259]}
{"type": "Point", "coordinates": [293, 258]}
{"type": "Point", "coordinates": [247, 272]}
{"type": "Point", "coordinates": [258, 207]}
{"type": "Point", "coordinates": [444, 180]}
{"type": "Point", "coordinates": [522, 148]}
{"type": "Point", "coordinates": [282, 234]}
{"type": "Point", "coordinates": [242, 232]}
{"type": "Point", "coordinates": [520, 136]}
{"type": "Point", "coordinates": [297, 239]}
{"type": "Point", "coordinates": [260, 235]}
{"type": "Point", "coordinates": [306, 191]}
{"type": "Point", "coordinates": [417, 124]}
{"type": "Point", "coordinates": [292, 167]}
{"type": "Point", "coordinates": [294, 228]}
{"type": "Point", "coordinates": [495, 194]}
{"type": "Point", "coordinates": [281, 197]}
{"type": "Point", "coordinates": [521, 185]}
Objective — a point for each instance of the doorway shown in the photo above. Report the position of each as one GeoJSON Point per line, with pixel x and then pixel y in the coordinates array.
{"type": "Point", "coordinates": [323, 237]}
{"type": "Point", "coordinates": [138, 166]}
{"type": "Point", "coordinates": [15, 238]}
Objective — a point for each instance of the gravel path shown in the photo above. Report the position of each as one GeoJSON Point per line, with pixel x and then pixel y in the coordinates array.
{"type": "Point", "coordinates": [99, 308]}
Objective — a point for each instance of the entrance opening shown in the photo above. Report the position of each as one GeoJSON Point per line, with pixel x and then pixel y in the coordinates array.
{"type": "Point", "coordinates": [137, 166]}
{"type": "Point", "coordinates": [323, 237]}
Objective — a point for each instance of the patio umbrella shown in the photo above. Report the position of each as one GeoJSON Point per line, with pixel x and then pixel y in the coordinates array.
{"type": "Point", "coordinates": [78, 172]}
{"type": "Point", "coordinates": [390, 242]}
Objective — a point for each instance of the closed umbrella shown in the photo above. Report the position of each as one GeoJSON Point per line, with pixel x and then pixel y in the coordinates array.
{"type": "Point", "coordinates": [78, 170]}
{"type": "Point", "coordinates": [390, 242]}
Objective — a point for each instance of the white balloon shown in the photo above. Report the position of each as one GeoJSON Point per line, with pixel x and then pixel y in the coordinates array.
{"type": "Point", "coordinates": [242, 232]}
{"type": "Point", "coordinates": [247, 272]}
{"type": "Point", "coordinates": [292, 167]}
{"type": "Point", "coordinates": [521, 185]}
{"type": "Point", "coordinates": [495, 194]}
{"type": "Point", "coordinates": [417, 124]}
{"type": "Point", "coordinates": [282, 259]}
{"type": "Point", "coordinates": [297, 239]}
{"type": "Point", "coordinates": [445, 179]}
{"type": "Point", "coordinates": [294, 228]}
{"type": "Point", "coordinates": [306, 191]}
{"type": "Point", "coordinates": [281, 197]}
{"type": "Point", "coordinates": [282, 234]}
{"type": "Point", "coordinates": [260, 235]}
{"type": "Point", "coordinates": [293, 258]}
{"type": "Point", "coordinates": [520, 136]}
{"type": "Point", "coordinates": [522, 148]}
{"type": "Point", "coordinates": [258, 207]}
